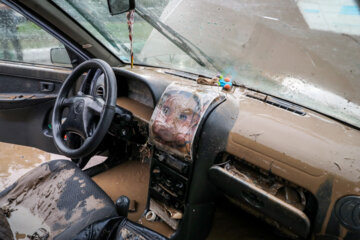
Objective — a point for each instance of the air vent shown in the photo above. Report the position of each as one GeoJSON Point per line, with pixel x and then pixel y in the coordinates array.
{"type": "Point", "coordinates": [100, 91]}
{"type": "Point", "coordinates": [278, 103]}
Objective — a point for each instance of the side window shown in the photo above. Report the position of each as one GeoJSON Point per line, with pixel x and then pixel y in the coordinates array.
{"type": "Point", "coordinates": [23, 41]}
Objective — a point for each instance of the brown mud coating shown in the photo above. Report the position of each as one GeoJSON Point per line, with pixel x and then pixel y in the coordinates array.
{"type": "Point", "coordinates": [271, 184]}
{"type": "Point", "coordinates": [48, 188]}
{"type": "Point", "coordinates": [139, 110]}
{"type": "Point", "coordinates": [306, 150]}
{"type": "Point", "coordinates": [225, 223]}
{"type": "Point", "coordinates": [130, 179]}
{"type": "Point", "coordinates": [17, 160]}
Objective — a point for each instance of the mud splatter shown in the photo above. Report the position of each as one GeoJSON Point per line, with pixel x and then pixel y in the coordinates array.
{"type": "Point", "coordinates": [31, 224]}
{"type": "Point", "coordinates": [33, 202]}
{"type": "Point", "coordinates": [337, 165]}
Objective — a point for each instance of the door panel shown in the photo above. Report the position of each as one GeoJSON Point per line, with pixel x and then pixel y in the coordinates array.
{"type": "Point", "coordinates": [28, 126]}
{"type": "Point", "coordinates": [29, 81]}
{"type": "Point", "coordinates": [27, 78]}
{"type": "Point", "coordinates": [25, 107]}
{"type": "Point", "coordinates": [19, 78]}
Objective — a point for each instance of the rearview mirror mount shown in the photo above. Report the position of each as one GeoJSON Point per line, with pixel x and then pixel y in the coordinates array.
{"type": "Point", "coordinates": [120, 6]}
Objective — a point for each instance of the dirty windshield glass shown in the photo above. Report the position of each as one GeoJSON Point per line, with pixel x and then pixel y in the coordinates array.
{"type": "Point", "coordinates": [113, 32]}
{"type": "Point", "coordinates": [304, 51]}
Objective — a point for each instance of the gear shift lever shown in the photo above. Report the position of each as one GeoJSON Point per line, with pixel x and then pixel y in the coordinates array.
{"type": "Point", "coordinates": [122, 205]}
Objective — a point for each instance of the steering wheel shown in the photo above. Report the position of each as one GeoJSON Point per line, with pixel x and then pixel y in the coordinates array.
{"type": "Point", "coordinates": [82, 110]}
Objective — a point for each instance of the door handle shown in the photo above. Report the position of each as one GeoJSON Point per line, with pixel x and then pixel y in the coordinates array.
{"type": "Point", "coordinates": [46, 87]}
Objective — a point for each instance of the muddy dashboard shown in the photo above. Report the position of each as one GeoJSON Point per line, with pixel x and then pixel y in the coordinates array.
{"type": "Point", "coordinates": [198, 140]}
{"type": "Point", "coordinates": [174, 129]}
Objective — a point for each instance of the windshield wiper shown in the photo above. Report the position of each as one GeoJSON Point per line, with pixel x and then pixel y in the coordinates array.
{"type": "Point", "coordinates": [181, 42]}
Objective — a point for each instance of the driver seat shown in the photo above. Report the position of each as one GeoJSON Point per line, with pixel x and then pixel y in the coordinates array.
{"type": "Point", "coordinates": [57, 199]}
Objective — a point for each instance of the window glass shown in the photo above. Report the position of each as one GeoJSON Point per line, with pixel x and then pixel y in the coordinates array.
{"type": "Point", "coordinates": [112, 31]}
{"type": "Point", "coordinates": [303, 51]}
{"type": "Point", "coordinates": [23, 41]}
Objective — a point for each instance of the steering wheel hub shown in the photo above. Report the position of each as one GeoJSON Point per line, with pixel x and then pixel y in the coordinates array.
{"type": "Point", "coordinates": [79, 106]}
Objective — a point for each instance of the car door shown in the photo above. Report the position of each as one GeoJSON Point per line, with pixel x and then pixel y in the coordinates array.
{"type": "Point", "coordinates": [29, 80]}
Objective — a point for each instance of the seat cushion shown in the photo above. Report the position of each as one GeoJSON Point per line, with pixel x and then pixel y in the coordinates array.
{"type": "Point", "coordinates": [58, 197]}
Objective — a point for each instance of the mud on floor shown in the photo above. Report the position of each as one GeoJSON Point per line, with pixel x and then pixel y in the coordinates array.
{"type": "Point", "coordinates": [16, 160]}
{"type": "Point", "coordinates": [229, 223]}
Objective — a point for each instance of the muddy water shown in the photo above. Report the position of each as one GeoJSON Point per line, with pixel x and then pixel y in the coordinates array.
{"type": "Point", "coordinates": [130, 179]}
{"type": "Point", "coordinates": [16, 160]}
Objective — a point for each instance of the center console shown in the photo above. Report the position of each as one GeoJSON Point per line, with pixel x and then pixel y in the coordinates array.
{"type": "Point", "coordinates": [173, 127]}
{"type": "Point", "coordinates": [169, 179]}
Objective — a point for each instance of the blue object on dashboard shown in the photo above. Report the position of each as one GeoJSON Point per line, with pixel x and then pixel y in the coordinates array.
{"type": "Point", "coordinates": [226, 83]}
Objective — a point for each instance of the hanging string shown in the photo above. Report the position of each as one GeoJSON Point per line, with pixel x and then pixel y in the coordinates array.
{"type": "Point", "coordinates": [130, 22]}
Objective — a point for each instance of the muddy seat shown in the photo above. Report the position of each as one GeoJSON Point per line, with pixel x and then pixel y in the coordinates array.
{"type": "Point", "coordinates": [55, 199]}
{"type": "Point", "coordinates": [59, 201]}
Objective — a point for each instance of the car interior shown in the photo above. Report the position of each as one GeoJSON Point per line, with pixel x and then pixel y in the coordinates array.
{"type": "Point", "coordinates": [177, 151]}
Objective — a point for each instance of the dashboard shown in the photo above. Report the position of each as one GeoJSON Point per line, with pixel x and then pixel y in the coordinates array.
{"type": "Point", "coordinates": [255, 149]}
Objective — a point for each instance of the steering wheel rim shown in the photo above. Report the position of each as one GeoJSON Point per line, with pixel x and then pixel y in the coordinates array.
{"type": "Point", "coordinates": [82, 109]}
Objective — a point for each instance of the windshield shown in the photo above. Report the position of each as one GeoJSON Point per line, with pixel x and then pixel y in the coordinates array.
{"type": "Point", "coordinates": [304, 51]}
{"type": "Point", "coordinates": [112, 31]}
